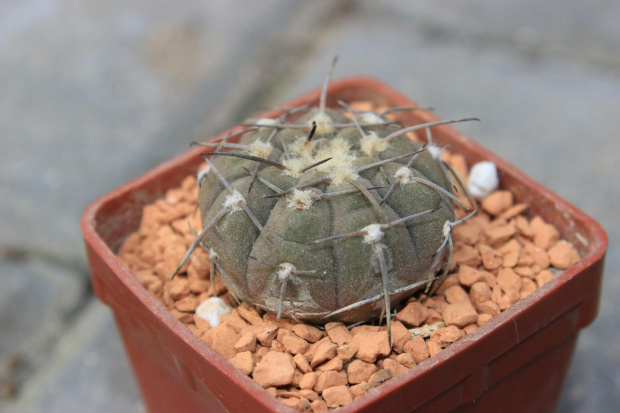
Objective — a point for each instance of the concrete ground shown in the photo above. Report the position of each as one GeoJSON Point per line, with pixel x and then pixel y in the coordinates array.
{"type": "Point", "coordinates": [94, 93]}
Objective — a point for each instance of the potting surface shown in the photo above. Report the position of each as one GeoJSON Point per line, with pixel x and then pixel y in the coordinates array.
{"type": "Point", "coordinates": [501, 256]}
{"type": "Point", "coordinates": [94, 95]}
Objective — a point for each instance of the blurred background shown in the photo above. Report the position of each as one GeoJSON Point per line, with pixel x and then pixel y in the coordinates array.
{"type": "Point", "coordinates": [95, 92]}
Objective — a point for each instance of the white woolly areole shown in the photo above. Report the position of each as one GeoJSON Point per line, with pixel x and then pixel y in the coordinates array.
{"type": "Point", "coordinates": [435, 151]}
{"type": "Point", "coordinates": [324, 123]}
{"type": "Point", "coordinates": [285, 270]}
{"type": "Point", "coordinates": [403, 175]}
{"type": "Point", "coordinates": [233, 201]}
{"type": "Point", "coordinates": [447, 228]}
{"type": "Point", "coordinates": [303, 148]}
{"type": "Point", "coordinates": [338, 150]}
{"type": "Point", "coordinates": [300, 199]}
{"type": "Point", "coordinates": [373, 233]}
{"type": "Point", "coordinates": [342, 175]}
{"type": "Point", "coordinates": [212, 310]}
{"type": "Point", "coordinates": [260, 149]}
{"type": "Point", "coordinates": [203, 172]}
{"type": "Point", "coordinates": [483, 179]}
{"type": "Point", "coordinates": [372, 144]}
{"type": "Point", "coordinates": [339, 145]}
{"type": "Point", "coordinates": [294, 166]}
{"type": "Point", "coordinates": [370, 117]}
{"type": "Point", "coordinates": [266, 122]}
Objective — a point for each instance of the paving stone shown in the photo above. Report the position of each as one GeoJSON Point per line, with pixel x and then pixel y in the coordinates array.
{"type": "Point", "coordinates": [87, 372]}
{"type": "Point", "coordinates": [96, 93]}
{"type": "Point", "coordinates": [37, 298]}
{"type": "Point", "coordinates": [582, 29]}
{"type": "Point", "coordinates": [592, 382]}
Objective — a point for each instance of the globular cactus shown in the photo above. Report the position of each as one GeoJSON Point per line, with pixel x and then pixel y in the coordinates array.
{"type": "Point", "coordinates": [327, 217]}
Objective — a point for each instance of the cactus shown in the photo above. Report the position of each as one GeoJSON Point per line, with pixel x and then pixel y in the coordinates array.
{"type": "Point", "coordinates": [327, 217]}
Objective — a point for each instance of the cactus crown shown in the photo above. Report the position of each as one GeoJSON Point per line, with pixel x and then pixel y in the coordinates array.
{"type": "Point", "coordinates": [327, 214]}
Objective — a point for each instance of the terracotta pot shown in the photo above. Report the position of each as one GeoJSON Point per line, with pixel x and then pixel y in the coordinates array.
{"type": "Point", "coordinates": [516, 362]}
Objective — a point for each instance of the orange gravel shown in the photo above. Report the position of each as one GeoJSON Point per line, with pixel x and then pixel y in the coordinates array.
{"type": "Point", "coordinates": [501, 256]}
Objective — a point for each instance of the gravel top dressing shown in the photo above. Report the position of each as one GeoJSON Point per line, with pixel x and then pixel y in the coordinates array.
{"type": "Point", "coordinates": [501, 255]}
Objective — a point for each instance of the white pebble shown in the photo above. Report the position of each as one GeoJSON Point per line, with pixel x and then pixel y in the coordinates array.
{"type": "Point", "coordinates": [483, 179]}
{"type": "Point", "coordinates": [213, 309]}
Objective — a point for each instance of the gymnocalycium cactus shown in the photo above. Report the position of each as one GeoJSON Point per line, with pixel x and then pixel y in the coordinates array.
{"type": "Point", "coordinates": [327, 217]}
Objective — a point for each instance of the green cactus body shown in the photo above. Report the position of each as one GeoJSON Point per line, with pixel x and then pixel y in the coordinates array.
{"type": "Point", "coordinates": [326, 242]}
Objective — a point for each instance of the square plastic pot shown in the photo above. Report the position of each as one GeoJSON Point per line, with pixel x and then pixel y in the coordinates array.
{"type": "Point", "coordinates": [517, 362]}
